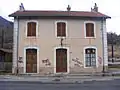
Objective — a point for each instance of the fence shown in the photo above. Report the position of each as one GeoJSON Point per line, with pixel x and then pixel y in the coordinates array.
{"type": "Point", "coordinates": [114, 59]}
{"type": "Point", "coordinates": [6, 66]}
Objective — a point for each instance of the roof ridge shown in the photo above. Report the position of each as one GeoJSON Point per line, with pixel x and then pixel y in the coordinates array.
{"type": "Point", "coordinates": [53, 11]}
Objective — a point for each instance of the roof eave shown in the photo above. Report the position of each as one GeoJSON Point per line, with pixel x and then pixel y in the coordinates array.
{"type": "Point", "coordinates": [12, 15]}
{"type": "Point", "coordinates": [107, 17]}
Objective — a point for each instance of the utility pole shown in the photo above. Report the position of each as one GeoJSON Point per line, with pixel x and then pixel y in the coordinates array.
{"type": "Point", "coordinates": [112, 47]}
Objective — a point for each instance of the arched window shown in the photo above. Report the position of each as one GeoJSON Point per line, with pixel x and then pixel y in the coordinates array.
{"type": "Point", "coordinates": [31, 29]}
{"type": "Point", "coordinates": [90, 30]}
{"type": "Point", "coordinates": [90, 57]}
{"type": "Point", "coordinates": [61, 29]}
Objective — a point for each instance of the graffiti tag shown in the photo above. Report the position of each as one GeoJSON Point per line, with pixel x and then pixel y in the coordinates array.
{"type": "Point", "coordinates": [46, 62]}
{"type": "Point", "coordinates": [77, 62]}
{"type": "Point", "coordinates": [99, 60]}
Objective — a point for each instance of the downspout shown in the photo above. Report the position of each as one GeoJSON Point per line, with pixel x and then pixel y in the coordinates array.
{"type": "Point", "coordinates": [103, 43]}
{"type": "Point", "coordinates": [17, 44]}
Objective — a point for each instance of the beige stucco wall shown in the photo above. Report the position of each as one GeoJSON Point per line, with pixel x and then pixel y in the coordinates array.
{"type": "Point", "coordinates": [47, 41]}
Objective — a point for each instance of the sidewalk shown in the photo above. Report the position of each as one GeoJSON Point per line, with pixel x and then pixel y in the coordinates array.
{"type": "Point", "coordinates": [45, 79]}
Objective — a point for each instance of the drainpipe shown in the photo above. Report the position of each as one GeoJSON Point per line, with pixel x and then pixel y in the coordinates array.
{"type": "Point", "coordinates": [103, 44]}
{"type": "Point", "coordinates": [17, 71]}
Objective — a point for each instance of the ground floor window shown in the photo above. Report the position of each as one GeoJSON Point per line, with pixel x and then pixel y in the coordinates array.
{"type": "Point", "coordinates": [90, 57]}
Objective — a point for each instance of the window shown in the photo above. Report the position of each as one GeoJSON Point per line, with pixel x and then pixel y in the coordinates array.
{"type": "Point", "coordinates": [90, 57]}
{"type": "Point", "coordinates": [90, 30]}
{"type": "Point", "coordinates": [31, 29]}
{"type": "Point", "coordinates": [61, 29]}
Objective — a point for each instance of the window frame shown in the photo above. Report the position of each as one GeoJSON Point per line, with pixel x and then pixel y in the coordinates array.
{"type": "Point", "coordinates": [85, 57]}
{"type": "Point", "coordinates": [35, 21]}
{"type": "Point", "coordinates": [56, 29]}
{"type": "Point", "coordinates": [85, 28]}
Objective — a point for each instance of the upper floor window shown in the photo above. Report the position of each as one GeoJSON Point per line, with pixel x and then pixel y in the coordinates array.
{"type": "Point", "coordinates": [90, 57]}
{"type": "Point", "coordinates": [61, 29]}
{"type": "Point", "coordinates": [89, 29]}
{"type": "Point", "coordinates": [31, 29]}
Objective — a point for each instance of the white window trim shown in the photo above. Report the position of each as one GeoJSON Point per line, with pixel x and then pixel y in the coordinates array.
{"type": "Point", "coordinates": [56, 28]}
{"type": "Point", "coordinates": [85, 29]}
{"type": "Point", "coordinates": [31, 47]}
{"type": "Point", "coordinates": [68, 70]}
{"type": "Point", "coordinates": [96, 56]}
{"type": "Point", "coordinates": [36, 28]}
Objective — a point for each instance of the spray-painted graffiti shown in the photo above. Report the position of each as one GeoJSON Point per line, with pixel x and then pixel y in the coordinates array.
{"type": "Point", "coordinates": [46, 62]}
{"type": "Point", "coordinates": [78, 63]}
{"type": "Point", "coordinates": [20, 59]}
{"type": "Point", "coordinates": [99, 60]}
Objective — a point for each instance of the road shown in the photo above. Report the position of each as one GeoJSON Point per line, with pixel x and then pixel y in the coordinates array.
{"type": "Point", "coordinates": [88, 85]}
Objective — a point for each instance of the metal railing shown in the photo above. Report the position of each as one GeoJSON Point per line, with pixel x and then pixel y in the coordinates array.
{"type": "Point", "coordinates": [114, 59]}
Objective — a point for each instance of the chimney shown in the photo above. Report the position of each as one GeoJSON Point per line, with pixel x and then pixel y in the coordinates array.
{"type": "Point", "coordinates": [21, 7]}
{"type": "Point", "coordinates": [68, 8]}
{"type": "Point", "coordinates": [95, 9]}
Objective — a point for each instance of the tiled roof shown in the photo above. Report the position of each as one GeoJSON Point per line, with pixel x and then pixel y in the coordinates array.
{"type": "Point", "coordinates": [58, 13]}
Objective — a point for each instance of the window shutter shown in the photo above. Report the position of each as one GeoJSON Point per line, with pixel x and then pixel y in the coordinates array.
{"type": "Point", "coordinates": [89, 30]}
{"type": "Point", "coordinates": [29, 29]}
{"type": "Point", "coordinates": [61, 29]}
{"type": "Point", "coordinates": [58, 29]}
{"type": "Point", "coordinates": [92, 29]}
{"type": "Point", "coordinates": [33, 29]}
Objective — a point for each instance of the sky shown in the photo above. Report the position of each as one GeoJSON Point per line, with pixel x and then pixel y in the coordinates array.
{"type": "Point", "coordinates": [108, 7]}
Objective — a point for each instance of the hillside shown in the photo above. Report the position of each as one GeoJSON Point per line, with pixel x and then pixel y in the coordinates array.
{"type": "Point", "coordinates": [6, 33]}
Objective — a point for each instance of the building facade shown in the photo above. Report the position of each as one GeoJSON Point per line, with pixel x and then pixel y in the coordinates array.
{"type": "Point", "coordinates": [55, 42]}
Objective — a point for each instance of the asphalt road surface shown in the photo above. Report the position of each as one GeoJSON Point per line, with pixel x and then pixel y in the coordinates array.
{"type": "Point", "coordinates": [88, 85]}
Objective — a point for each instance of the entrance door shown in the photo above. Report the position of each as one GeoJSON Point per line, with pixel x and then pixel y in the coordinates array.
{"type": "Point", "coordinates": [31, 60]}
{"type": "Point", "coordinates": [61, 60]}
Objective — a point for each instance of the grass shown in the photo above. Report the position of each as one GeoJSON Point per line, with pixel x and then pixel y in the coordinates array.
{"type": "Point", "coordinates": [5, 72]}
{"type": "Point", "coordinates": [117, 67]}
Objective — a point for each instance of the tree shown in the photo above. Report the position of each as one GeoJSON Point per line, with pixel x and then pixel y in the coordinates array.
{"type": "Point", "coordinates": [113, 38]}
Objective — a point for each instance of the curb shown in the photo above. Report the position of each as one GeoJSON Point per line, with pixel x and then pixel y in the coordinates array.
{"type": "Point", "coordinates": [40, 82]}
{"type": "Point", "coordinates": [56, 82]}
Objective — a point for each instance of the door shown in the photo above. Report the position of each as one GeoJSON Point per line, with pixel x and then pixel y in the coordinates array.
{"type": "Point", "coordinates": [61, 60]}
{"type": "Point", "coordinates": [31, 60]}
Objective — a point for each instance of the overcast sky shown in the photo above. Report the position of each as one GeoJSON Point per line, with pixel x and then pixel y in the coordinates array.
{"type": "Point", "coordinates": [108, 7]}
